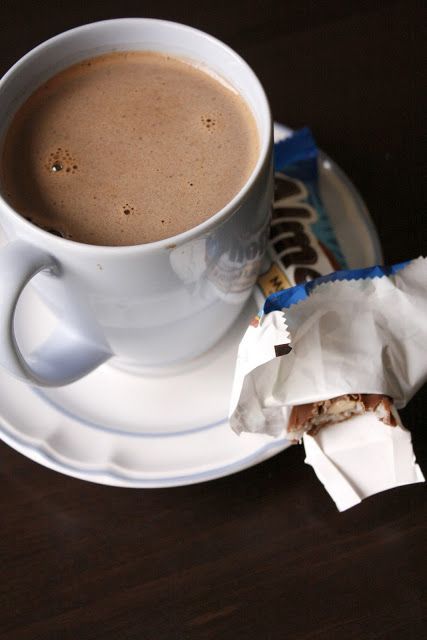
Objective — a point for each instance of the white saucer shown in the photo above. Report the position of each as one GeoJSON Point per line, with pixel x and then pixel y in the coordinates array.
{"type": "Point", "coordinates": [161, 430]}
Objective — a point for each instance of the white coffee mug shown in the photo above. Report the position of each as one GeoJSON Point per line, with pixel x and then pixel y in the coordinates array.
{"type": "Point", "coordinates": [145, 305]}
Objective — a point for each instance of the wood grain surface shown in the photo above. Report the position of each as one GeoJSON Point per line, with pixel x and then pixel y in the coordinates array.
{"type": "Point", "coordinates": [262, 554]}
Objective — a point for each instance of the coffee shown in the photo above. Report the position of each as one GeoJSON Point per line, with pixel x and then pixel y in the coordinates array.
{"type": "Point", "coordinates": [128, 148]}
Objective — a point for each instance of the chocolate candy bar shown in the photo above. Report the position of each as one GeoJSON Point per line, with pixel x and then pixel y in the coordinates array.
{"type": "Point", "coordinates": [310, 418]}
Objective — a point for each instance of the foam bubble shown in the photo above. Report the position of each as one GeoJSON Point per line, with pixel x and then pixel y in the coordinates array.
{"type": "Point", "coordinates": [209, 122]}
{"type": "Point", "coordinates": [128, 209]}
{"type": "Point", "coordinates": [61, 159]}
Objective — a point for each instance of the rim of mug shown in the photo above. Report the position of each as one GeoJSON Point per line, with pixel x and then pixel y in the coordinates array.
{"type": "Point", "coordinates": [193, 232]}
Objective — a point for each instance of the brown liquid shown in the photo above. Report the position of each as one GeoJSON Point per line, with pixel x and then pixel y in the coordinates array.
{"type": "Point", "coordinates": [127, 148]}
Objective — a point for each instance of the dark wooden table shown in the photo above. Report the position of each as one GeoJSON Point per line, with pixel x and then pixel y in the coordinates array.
{"type": "Point", "coordinates": [264, 553]}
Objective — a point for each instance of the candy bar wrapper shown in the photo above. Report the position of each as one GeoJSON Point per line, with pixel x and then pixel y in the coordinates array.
{"type": "Point", "coordinates": [361, 331]}
{"type": "Point", "coordinates": [317, 338]}
{"type": "Point", "coordinates": [360, 457]}
{"type": "Point", "coordinates": [302, 244]}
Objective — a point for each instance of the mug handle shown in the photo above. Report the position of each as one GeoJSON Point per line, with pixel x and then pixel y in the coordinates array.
{"type": "Point", "coordinates": [67, 354]}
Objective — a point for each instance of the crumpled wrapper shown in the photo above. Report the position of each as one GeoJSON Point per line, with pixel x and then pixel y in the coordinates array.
{"type": "Point", "coordinates": [361, 456]}
{"type": "Point", "coordinates": [350, 332]}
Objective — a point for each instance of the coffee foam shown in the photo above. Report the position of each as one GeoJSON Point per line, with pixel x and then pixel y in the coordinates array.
{"type": "Point", "coordinates": [128, 148]}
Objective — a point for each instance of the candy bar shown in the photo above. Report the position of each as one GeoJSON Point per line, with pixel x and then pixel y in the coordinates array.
{"type": "Point", "coordinates": [311, 417]}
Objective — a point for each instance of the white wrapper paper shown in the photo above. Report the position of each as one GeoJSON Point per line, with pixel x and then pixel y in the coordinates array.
{"type": "Point", "coordinates": [352, 336]}
{"type": "Point", "coordinates": [361, 456]}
